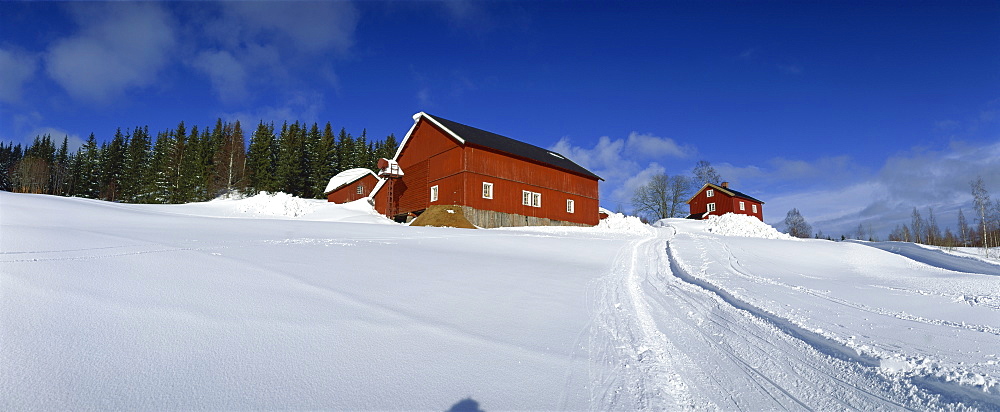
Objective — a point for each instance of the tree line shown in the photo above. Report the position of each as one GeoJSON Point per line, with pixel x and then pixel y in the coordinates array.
{"type": "Point", "coordinates": [189, 165]}
{"type": "Point", "coordinates": [984, 232]}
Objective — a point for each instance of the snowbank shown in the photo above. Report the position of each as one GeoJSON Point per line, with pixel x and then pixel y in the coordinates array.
{"type": "Point", "coordinates": [275, 204]}
{"type": "Point", "coordinates": [617, 222]}
{"type": "Point", "coordinates": [731, 224]}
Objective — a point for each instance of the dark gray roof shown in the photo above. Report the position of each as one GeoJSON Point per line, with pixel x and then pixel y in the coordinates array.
{"type": "Point", "coordinates": [738, 193]}
{"type": "Point", "coordinates": [507, 145]}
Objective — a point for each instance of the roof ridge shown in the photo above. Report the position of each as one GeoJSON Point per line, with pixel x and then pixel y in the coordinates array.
{"type": "Point", "coordinates": [479, 137]}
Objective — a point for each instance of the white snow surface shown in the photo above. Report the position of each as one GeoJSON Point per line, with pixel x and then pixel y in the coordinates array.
{"type": "Point", "coordinates": [346, 177]}
{"type": "Point", "coordinates": [213, 306]}
{"type": "Point", "coordinates": [731, 224]}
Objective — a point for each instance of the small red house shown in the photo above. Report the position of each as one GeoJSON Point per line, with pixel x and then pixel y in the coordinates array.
{"type": "Point", "coordinates": [496, 180]}
{"type": "Point", "coordinates": [351, 185]}
{"type": "Point", "coordinates": [718, 200]}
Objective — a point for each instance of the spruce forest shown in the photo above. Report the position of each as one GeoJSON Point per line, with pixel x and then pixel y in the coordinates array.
{"type": "Point", "coordinates": [190, 164]}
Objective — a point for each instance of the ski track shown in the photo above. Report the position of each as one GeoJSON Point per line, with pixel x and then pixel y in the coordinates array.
{"type": "Point", "coordinates": [664, 340]}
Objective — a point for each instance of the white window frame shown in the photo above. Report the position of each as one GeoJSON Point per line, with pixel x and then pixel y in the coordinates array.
{"type": "Point", "coordinates": [526, 198]}
{"type": "Point", "coordinates": [434, 193]}
{"type": "Point", "coordinates": [487, 190]}
{"type": "Point", "coordinates": [536, 199]}
{"type": "Point", "coordinates": [711, 207]}
{"type": "Point", "coordinates": [754, 208]}
{"type": "Point", "coordinates": [743, 205]}
{"type": "Point", "coordinates": [360, 190]}
{"type": "Point", "coordinates": [570, 206]}
{"type": "Point", "coordinates": [710, 193]}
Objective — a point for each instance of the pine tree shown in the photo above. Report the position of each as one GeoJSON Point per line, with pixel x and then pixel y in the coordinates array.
{"type": "Point", "coordinates": [230, 159]}
{"type": "Point", "coordinates": [261, 159]}
{"type": "Point", "coordinates": [136, 181]}
{"type": "Point", "coordinates": [161, 167]}
{"type": "Point", "coordinates": [291, 159]}
{"type": "Point", "coordinates": [345, 151]}
{"type": "Point", "coordinates": [311, 162]}
{"type": "Point", "coordinates": [324, 161]}
{"type": "Point", "coordinates": [89, 176]}
{"type": "Point", "coordinates": [59, 180]}
{"type": "Point", "coordinates": [9, 156]}
{"type": "Point", "coordinates": [113, 167]}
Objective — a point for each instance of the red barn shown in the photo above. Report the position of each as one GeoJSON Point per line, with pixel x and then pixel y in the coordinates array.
{"type": "Point", "coordinates": [351, 185]}
{"type": "Point", "coordinates": [718, 200]}
{"type": "Point", "coordinates": [496, 180]}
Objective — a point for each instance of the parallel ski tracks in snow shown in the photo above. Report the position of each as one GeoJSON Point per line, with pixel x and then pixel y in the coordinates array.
{"type": "Point", "coordinates": [661, 341]}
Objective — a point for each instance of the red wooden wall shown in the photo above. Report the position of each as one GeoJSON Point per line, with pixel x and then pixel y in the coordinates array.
{"type": "Point", "coordinates": [724, 203]}
{"type": "Point", "coordinates": [431, 157]}
{"type": "Point", "coordinates": [349, 193]}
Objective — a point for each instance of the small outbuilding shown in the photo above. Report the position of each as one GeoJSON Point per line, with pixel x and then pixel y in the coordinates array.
{"type": "Point", "coordinates": [717, 200]}
{"type": "Point", "coordinates": [351, 185]}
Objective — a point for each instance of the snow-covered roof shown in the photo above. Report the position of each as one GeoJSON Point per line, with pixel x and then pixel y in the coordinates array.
{"type": "Point", "coordinates": [347, 177]}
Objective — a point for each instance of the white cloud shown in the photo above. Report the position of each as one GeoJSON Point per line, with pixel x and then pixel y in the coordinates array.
{"type": "Point", "coordinates": [303, 107]}
{"type": "Point", "coordinates": [652, 147]}
{"type": "Point", "coordinates": [16, 68]}
{"type": "Point", "coordinates": [916, 178]}
{"type": "Point", "coordinates": [625, 164]}
{"type": "Point", "coordinates": [269, 40]}
{"type": "Point", "coordinates": [119, 46]}
{"type": "Point", "coordinates": [308, 27]}
{"type": "Point", "coordinates": [227, 75]}
{"type": "Point", "coordinates": [73, 141]}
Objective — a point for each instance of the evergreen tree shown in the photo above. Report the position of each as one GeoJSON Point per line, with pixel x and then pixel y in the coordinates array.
{"type": "Point", "coordinates": [362, 158]}
{"type": "Point", "coordinates": [324, 161]}
{"type": "Point", "coordinates": [261, 159]}
{"type": "Point", "coordinates": [113, 166]}
{"type": "Point", "coordinates": [192, 169]}
{"type": "Point", "coordinates": [88, 179]}
{"type": "Point", "coordinates": [59, 178]}
{"type": "Point", "coordinates": [10, 155]}
{"type": "Point", "coordinates": [345, 151]}
{"type": "Point", "coordinates": [230, 159]}
{"type": "Point", "coordinates": [321, 159]}
{"type": "Point", "coordinates": [161, 168]}
{"type": "Point", "coordinates": [136, 181]}
{"type": "Point", "coordinates": [291, 168]}
{"type": "Point", "coordinates": [311, 162]}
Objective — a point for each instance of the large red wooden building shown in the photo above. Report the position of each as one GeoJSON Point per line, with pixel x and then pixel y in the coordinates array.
{"type": "Point", "coordinates": [496, 180]}
{"type": "Point", "coordinates": [718, 200]}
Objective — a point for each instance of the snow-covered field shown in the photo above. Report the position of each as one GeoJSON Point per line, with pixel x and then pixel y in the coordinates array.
{"type": "Point", "coordinates": [274, 302]}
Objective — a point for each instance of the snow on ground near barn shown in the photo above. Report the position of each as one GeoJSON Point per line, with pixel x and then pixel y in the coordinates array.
{"type": "Point", "coordinates": [274, 302]}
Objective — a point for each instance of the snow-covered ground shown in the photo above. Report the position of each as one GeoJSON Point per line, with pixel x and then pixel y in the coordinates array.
{"type": "Point", "coordinates": [274, 302]}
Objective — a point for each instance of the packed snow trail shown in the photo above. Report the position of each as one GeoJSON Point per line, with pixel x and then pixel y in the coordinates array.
{"type": "Point", "coordinates": [672, 344]}
{"type": "Point", "coordinates": [937, 258]}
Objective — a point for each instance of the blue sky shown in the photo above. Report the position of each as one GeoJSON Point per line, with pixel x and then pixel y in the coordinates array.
{"type": "Point", "coordinates": [852, 112]}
